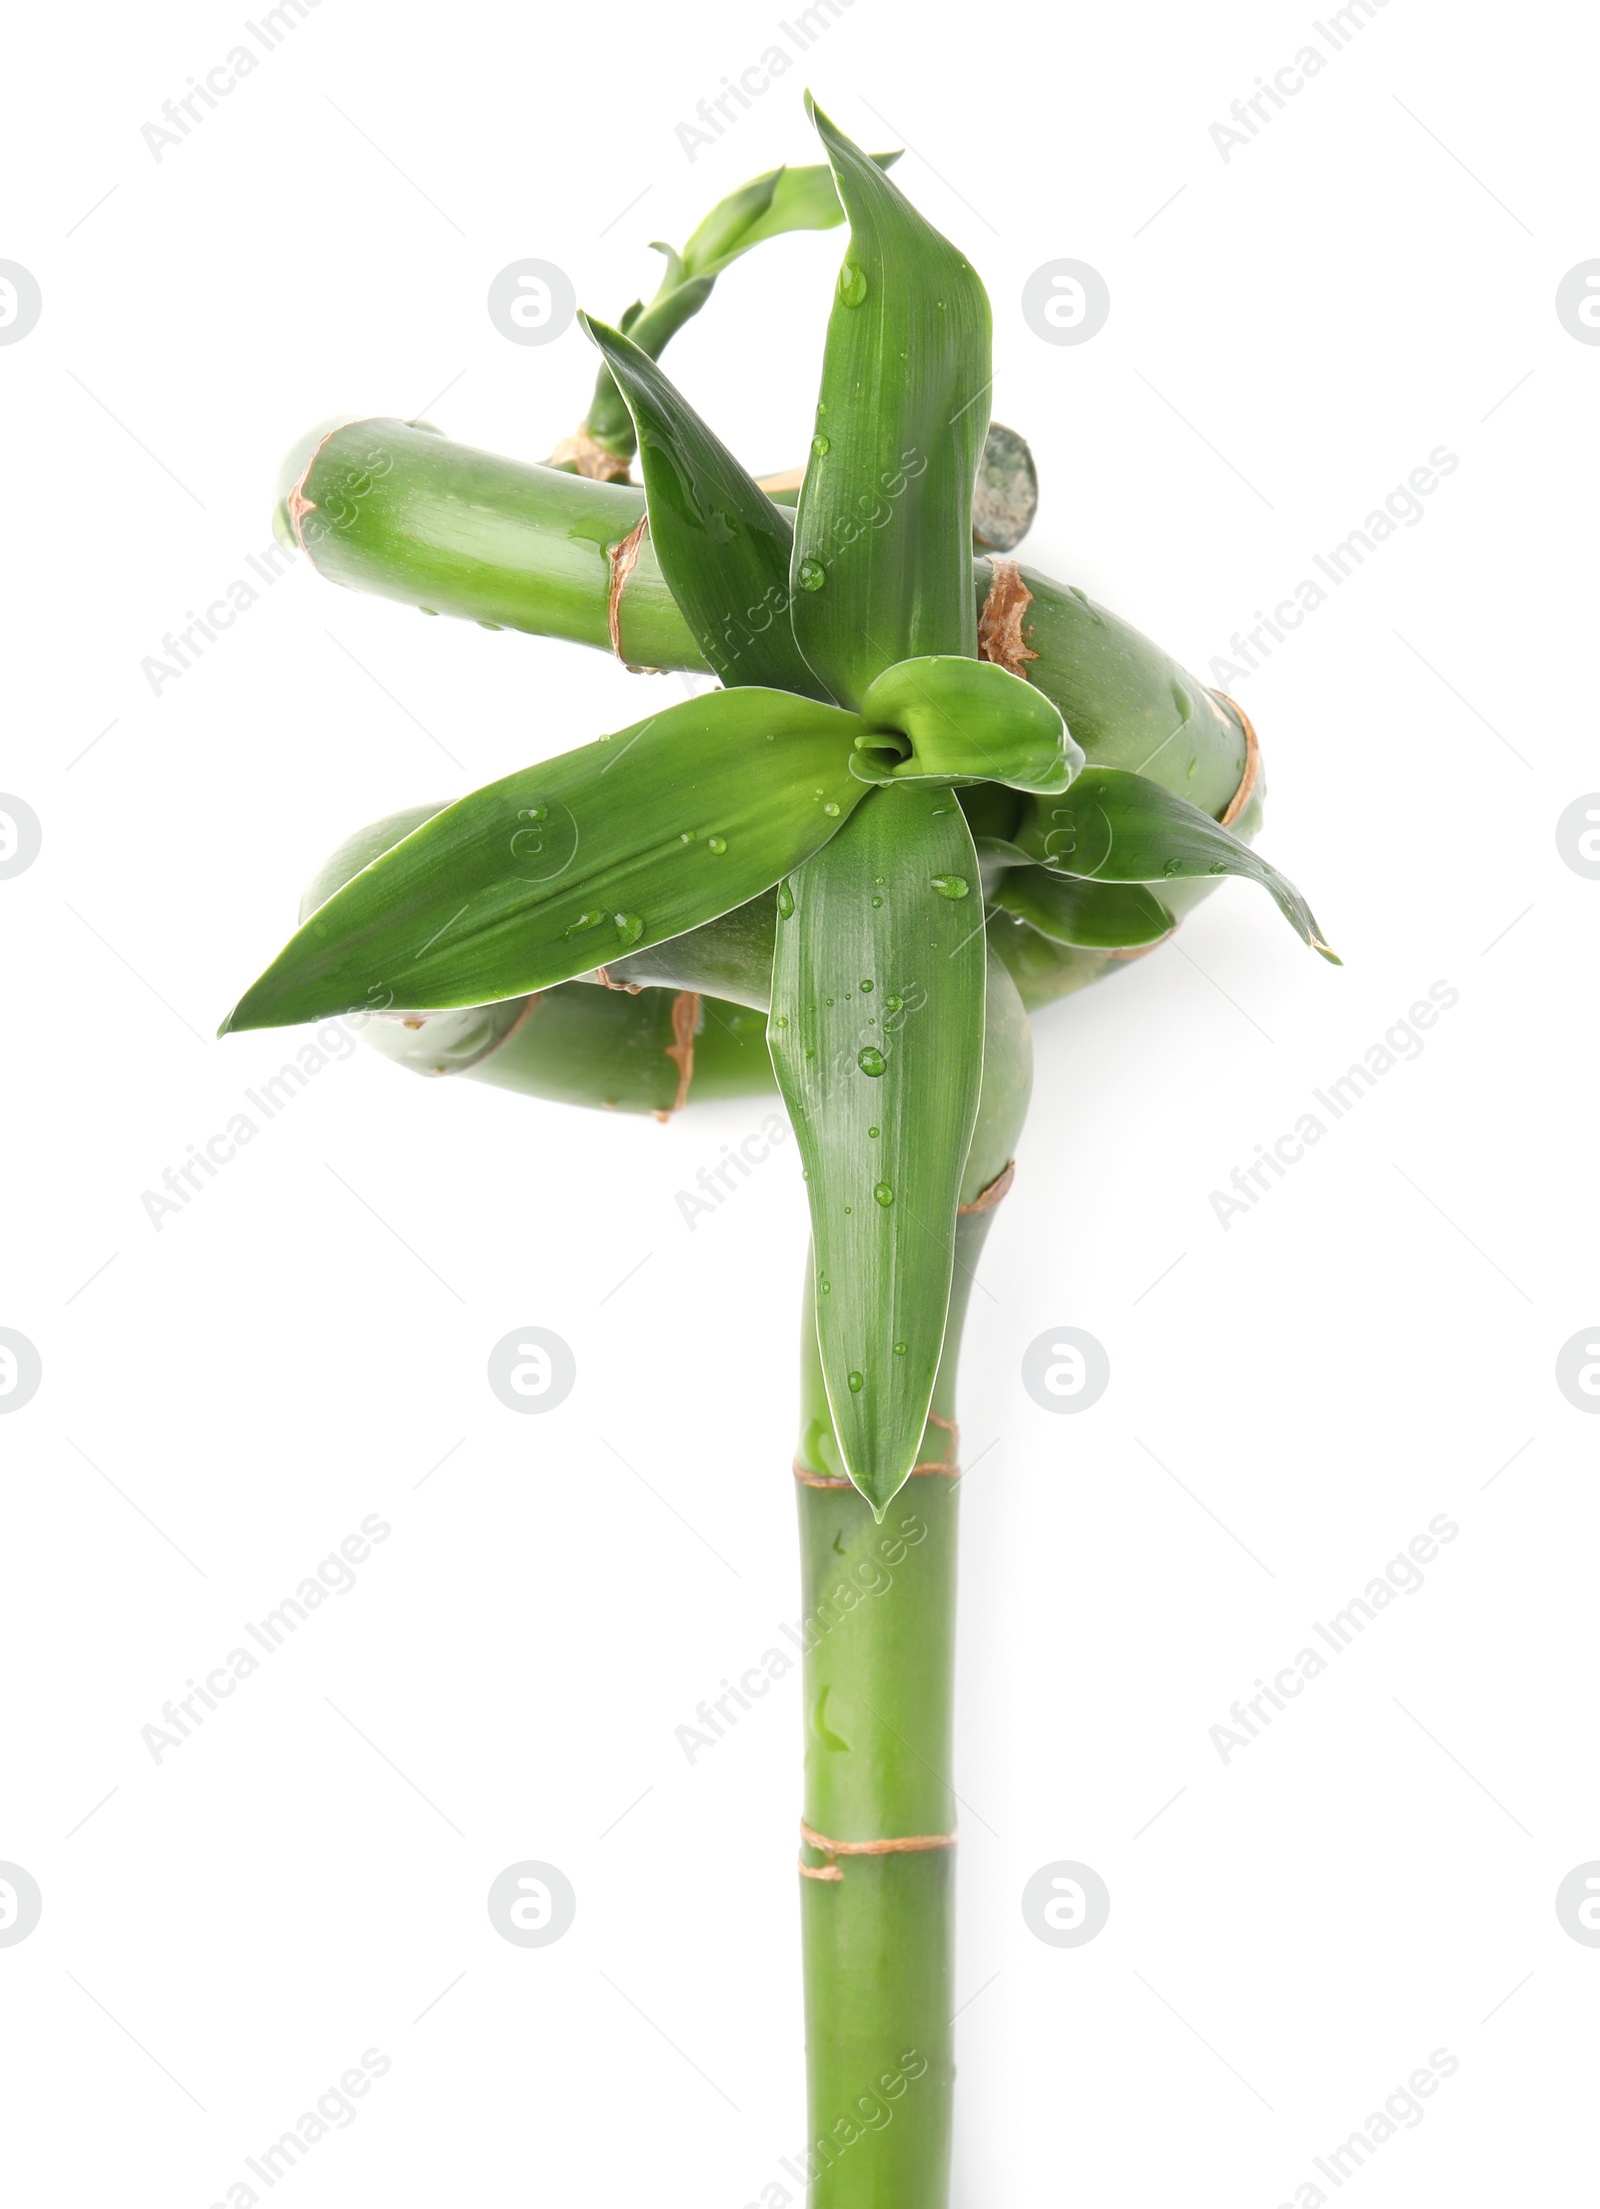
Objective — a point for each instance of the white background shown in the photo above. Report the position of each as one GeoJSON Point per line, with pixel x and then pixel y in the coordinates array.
{"type": "Point", "coordinates": [1373, 1879]}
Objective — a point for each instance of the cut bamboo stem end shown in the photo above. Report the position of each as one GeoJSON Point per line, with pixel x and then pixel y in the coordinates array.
{"type": "Point", "coordinates": [1252, 760]}
{"type": "Point", "coordinates": [1000, 621]}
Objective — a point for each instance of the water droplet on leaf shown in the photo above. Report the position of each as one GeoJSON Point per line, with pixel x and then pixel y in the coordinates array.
{"type": "Point", "coordinates": [821, 445]}
{"type": "Point", "coordinates": [950, 885]}
{"type": "Point", "coordinates": [871, 1060]}
{"type": "Point", "coordinates": [852, 285]}
{"type": "Point", "coordinates": [718, 844]}
{"type": "Point", "coordinates": [811, 576]}
{"type": "Point", "coordinates": [590, 919]}
{"type": "Point", "coordinates": [831, 810]}
{"type": "Point", "coordinates": [857, 1383]}
{"type": "Point", "coordinates": [629, 927]}
{"type": "Point", "coordinates": [900, 1349]}
{"type": "Point", "coordinates": [785, 901]}
{"type": "Point", "coordinates": [883, 1193]}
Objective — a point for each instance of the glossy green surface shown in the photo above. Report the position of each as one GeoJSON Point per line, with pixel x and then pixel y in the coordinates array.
{"type": "Point", "coordinates": [770, 205]}
{"type": "Point", "coordinates": [1112, 826]}
{"type": "Point", "coordinates": [406, 513]}
{"type": "Point", "coordinates": [883, 530]}
{"type": "Point", "coordinates": [877, 1037]}
{"type": "Point", "coordinates": [1096, 915]}
{"type": "Point", "coordinates": [722, 544]}
{"type": "Point", "coordinates": [964, 719]}
{"type": "Point", "coordinates": [554, 870]}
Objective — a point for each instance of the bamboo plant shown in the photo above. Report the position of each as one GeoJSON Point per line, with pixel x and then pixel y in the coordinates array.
{"type": "Point", "coordinates": [931, 793]}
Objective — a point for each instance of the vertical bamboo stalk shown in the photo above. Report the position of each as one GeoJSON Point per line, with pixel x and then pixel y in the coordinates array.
{"type": "Point", "coordinates": [878, 1922]}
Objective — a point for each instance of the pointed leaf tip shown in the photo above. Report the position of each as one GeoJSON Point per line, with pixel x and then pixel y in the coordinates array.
{"type": "Point", "coordinates": [537, 877]}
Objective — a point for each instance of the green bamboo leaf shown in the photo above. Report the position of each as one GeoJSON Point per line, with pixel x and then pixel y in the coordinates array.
{"type": "Point", "coordinates": [883, 531]}
{"type": "Point", "coordinates": [767, 207]}
{"type": "Point", "coordinates": [678, 301]}
{"type": "Point", "coordinates": [877, 1037]}
{"type": "Point", "coordinates": [723, 546]}
{"type": "Point", "coordinates": [550, 871]}
{"type": "Point", "coordinates": [950, 719]}
{"type": "Point", "coordinates": [1096, 916]}
{"type": "Point", "coordinates": [1116, 826]}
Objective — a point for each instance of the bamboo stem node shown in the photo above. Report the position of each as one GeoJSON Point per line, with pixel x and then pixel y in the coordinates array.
{"type": "Point", "coordinates": [987, 1198]}
{"type": "Point", "coordinates": [624, 558]}
{"type": "Point", "coordinates": [900, 1845]}
{"type": "Point", "coordinates": [587, 457]}
{"type": "Point", "coordinates": [809, 1479]}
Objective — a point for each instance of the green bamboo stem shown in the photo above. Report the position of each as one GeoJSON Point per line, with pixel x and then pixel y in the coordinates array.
{"type": "Point", "coordinates": [394, 508]}
{"type": "Point", "coordinates": [878, 1929]}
